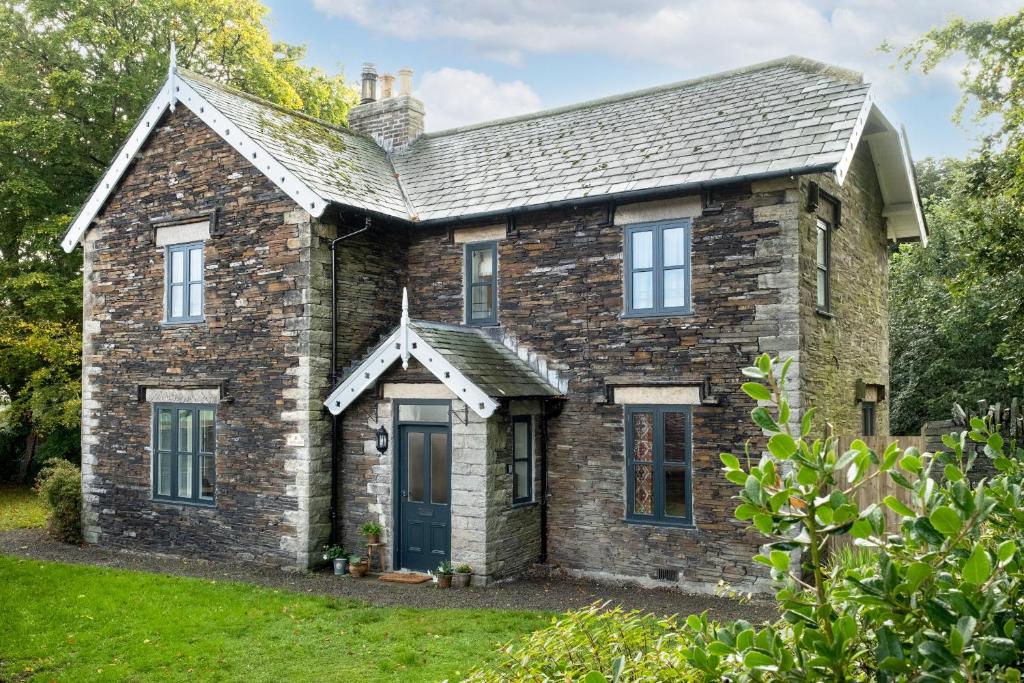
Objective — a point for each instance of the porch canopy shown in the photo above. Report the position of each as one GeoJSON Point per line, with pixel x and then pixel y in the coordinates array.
{"type": "Point", "coordinates": [477, 368]}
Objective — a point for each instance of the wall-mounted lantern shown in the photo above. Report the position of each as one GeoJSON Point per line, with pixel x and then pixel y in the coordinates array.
{"type": "Point", "coordinates": [382, 439]}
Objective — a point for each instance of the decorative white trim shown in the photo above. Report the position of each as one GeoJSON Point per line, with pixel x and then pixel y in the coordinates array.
{"type": "Point", "coordinates": [843, 167]}
{"type": "Point", "coordinates": [178, 89]}
{"type": "Point", "coordinates": [908, 168]}
{"type": "Point", "coordinates": [403, 343]}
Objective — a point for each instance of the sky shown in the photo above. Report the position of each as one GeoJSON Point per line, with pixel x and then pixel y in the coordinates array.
{"type": "Point", "coordinates": [476, 60]}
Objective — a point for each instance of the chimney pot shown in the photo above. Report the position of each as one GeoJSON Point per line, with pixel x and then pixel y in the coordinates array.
{"type": "Point", "coordinates": [405, 81]}
{"type": "Point", "coordinates": [387, 86]}
{"type": "Point", "coordinates": [369, 93]}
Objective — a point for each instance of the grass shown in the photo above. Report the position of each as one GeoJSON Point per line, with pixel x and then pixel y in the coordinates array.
{"type": "Point", "coordinates": [20, 508]}
{"type": "Point", "coordinates": [73, 623]}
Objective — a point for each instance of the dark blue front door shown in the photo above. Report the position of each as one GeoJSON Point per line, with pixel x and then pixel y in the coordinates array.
{"type": "Point", "coordinates": [424, 460]}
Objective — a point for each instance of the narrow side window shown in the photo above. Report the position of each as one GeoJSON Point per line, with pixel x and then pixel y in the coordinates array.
{"type": "Point", "coordinates": [823, 258]}
{"type": "Point", "coordinates": [522, 459]}
{"type": "Point", "coordinates": [185, 283]}
{"type": "Point", "coordinates": [482, 284]}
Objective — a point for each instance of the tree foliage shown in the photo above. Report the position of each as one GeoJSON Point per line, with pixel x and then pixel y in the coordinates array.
{"type": "Point", "coordinates": [75, 76]}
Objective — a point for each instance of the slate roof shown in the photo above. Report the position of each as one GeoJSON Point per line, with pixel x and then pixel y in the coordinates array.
{"type": "Point", "coordinates": [791, 115]}
{"type": "Point", "coordinates": [338, 164]}
{"type": "Point", "coordinates": [484, 361]}
{"type": "Point", "coordinates": [788, 116]}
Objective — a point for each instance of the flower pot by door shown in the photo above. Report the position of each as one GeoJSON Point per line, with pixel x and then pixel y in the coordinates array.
{"type": "Point", "coordinates": [444, 580]}
{"type": "Point", "coordinates": [340, 566]}
{"type": "Point", "coordinates": [461, 580]}
{"type": "Point", "coordinates": [359, 569]}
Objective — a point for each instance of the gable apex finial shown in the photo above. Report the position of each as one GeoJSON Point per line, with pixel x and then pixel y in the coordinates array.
{"type": "Point", "coordinates": [172, 68]}
{"type": "Point", "coordinates": [404, 324]}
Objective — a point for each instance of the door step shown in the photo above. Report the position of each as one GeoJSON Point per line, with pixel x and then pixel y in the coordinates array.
{"type": "Point", "coordinates": [406, 577]}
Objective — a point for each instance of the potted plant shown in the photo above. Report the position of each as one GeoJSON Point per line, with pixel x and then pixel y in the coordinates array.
{"type": "Point", "coordinates": [463, 573]}
{"type": "Point", "coordinates": [444, 574]}
{"type": "Point", "coordinates": [357, 566]}
{"type": "Point", "coordinates": [336, 554]}
{"type": "Point", "coordinates": [372, 531]}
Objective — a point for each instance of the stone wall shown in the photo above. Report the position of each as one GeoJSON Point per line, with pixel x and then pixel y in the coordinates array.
{"type": "Point", "coordinates": [560, 295]}
{"type": "Point", "coordinates": [853, 342]}
{"type": "Point", "coordinates": [258, 335]}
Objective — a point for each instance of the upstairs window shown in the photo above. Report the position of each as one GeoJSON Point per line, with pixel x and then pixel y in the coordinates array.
{"type": "Point", "coordinates": [184, 453]}
{"type": "Point", "coordinates": [658, 268]}
{"type": "Point", "coordinates": [658, 464]}
{"type": "Point", "coordinates": [482, 284]}
{"type": "Point", "coordinates": [824, 266]}
{"type": "Point", "coordinates": [185, 283]}
{"type": "Point", "coordinates": [522, 459]}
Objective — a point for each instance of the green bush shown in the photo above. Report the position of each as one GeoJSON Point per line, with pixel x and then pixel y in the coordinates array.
{"type": "Point", "coordinates": [60, 486]}
{"type": "Point", "coordinates": [596, 645]}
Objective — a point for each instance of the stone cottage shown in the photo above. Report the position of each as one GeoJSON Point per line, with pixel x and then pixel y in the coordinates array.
{"type": "Point", "coordinates": [583, 285]}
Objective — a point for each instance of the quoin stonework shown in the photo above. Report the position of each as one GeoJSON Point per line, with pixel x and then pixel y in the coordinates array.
{"type": "Point", "coordinates": [512, 344]}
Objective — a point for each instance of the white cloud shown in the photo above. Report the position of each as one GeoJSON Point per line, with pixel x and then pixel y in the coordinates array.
{"type": "Point", "coordinates": [695, 36]}
{"type": "Point", "coordinates": [456, 97]}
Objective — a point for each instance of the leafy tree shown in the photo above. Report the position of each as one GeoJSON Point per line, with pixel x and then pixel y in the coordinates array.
{"type": "Point", "coordinates": [75, 76]}
{"type": "Point", "coordinates": [943, 336]}
{"type": "Point", "coordinates": [992, 200]}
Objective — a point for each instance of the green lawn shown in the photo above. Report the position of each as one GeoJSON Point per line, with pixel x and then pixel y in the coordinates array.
{"type": "Point", "coordinates": [20, 508]}
{"type": "Point", "coordinates": [75, 623]}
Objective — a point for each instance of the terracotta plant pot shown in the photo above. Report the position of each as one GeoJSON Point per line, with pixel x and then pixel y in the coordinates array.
{"type": "Point", "coordinates": [340, 566]}
{"type": "Point", "coordinates": [373, 539]}
{"type": "Point", "coordinates": [444, 580]}
{"type": "Point", "coordinates": [461, 580]}
{"type": "Point", "coordinates": [359, 569]}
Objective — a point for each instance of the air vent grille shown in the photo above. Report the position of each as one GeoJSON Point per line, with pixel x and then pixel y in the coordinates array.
{"type": "Point", "coordinates": [667, 575]}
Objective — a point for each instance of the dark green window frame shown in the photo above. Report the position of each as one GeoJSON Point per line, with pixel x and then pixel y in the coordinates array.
{"type": "Point", "coordinates": [184, 457]}
{"type": "Point", "coordinates": [655, 267]}
{"type": "Point", "coordinates": [190, 285]}
{"type": "Point", "coordinates": [869, 414]}
{"type": "Point", "coordinates": [649, 473]}
{"type": "Point", "coordinates": [473, 286]}
{"type": "Point", "coordinates": [823, 265]}
{"type": "Point", "coordinates": [522, 458]}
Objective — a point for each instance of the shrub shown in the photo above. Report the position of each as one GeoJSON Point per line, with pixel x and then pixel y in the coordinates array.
{"type": "Point", "coordinates": [595, 644]}
{"type": "Point", "coordinates": [60, 486]}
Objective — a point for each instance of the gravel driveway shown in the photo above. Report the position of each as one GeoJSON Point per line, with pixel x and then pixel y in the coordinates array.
{"type": "Point", "coordinates": [554, 594]}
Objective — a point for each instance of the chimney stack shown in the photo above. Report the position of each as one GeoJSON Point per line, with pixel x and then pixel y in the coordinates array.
{"type": "Point", "coordinates": [387, 85]}
{"type": "Point", "coordinates": [394, 121]}
{"type": "Point", "coordinates": [369, 83]}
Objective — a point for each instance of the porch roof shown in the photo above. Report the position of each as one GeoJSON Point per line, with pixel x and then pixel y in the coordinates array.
{"type": "Point", "coordinates": [476, 368]}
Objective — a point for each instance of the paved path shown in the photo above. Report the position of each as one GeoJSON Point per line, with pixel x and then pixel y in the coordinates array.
{"type": "Point", "coordinates": [554, 594]}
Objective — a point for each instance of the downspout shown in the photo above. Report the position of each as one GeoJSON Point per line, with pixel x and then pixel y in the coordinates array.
{"type": "Point", "coordinates": [333, 378]}
{"type": "Point", "coordinates": [543, 482]}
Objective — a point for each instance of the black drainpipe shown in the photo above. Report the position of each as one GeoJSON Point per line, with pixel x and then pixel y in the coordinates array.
{"type": "Point", "coordinates": [543, 482]}
{"type": "Point", "coordinates": [333, 378]}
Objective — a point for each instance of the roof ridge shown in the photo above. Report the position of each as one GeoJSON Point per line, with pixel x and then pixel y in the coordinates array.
{"type": "Point", "coordinates": [795, 61]}
{"type": "Point", "coordinates": [231, 90]}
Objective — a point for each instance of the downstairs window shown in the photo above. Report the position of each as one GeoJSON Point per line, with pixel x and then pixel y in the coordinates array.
{"type": "Point", "coordinates": [658, 464]}
{"type": "Point", "coordinates": [184, 453]}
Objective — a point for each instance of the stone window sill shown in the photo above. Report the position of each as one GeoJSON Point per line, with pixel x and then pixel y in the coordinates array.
{"type": "Point", "coordinates": [212, 505]}
{"type": "Point", "coordinates": [183, 323]}
{"type": "Point", "coordinates": [524, 505]}
{"type": "Point", "coordinates": [689, 526]}
{"type": "Point", "coordinates": [824, 314]}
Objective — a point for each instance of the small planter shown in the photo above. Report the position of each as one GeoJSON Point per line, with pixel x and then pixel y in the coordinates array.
{"type": "Point", "coordinates": [359, 569]}
{"type": "Point", "coordinates": [373, 539]}
{"type": "Point", "coordinates": [461, 580]}
{"type": "Point", "coordinates": [444, 580]}
{"type": "Point", "coordinates": [340, 566]}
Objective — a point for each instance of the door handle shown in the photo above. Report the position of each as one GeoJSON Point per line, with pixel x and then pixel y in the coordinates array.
{"type": "Point", "coordinates": [404, 496]}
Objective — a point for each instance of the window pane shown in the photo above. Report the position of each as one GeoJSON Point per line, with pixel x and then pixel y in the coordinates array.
{"type": "Point", "coordinates": [177, 266]}
{"type": "Point", "coordinates": [520, 481]}
{"type": "Point", "coordinates": [439, 479]}
{"type": "Point", "coordinates": [643, 290]}
{"type": "Point", "coordinates": [195, 264]}
{"type": "Point", "coordinates": [184, 475]}
{"type": "Point", "coordinates": [195, 300]}
{"type": "Point", "coordinates": [185, 431]}
{"type": "Point", "coordinates": [643, 489]}
{"type": "Point", "coordinates": [675, 437]}
{"type": "Point", "coordinates": [482, 265]}
{"type": "Point", "coordinates": [415, 455]}
{"type": "Point", "coordinates": [482, 300]}
{"type": "Point", "coordinates": [675, 287]}
{"type": "Point", "coordinates": [675, 492]}
{"type": "Point", "coordinates": [521, 439]}
{"type": "Point", "coordinates": [166, 419]}
{"type": "Point", "coordinates": [177, 301]}
{"type": "Point", "coordinates": [642, 249]}
{"type": "Point", "coordinates": [423, 412]}
{"type": "Point", "coordinates": [643, 437]}
{"type": "Point", "coordinates": [675, 247]}
{"type": "Point", "coordinates": [163, 474]}
{"type": "Point", "coordinates": [822, 278]}
{"type": "Point", "coordinates": [821, 256]}
{"type": "Point", "coordinates": [206, 476]}
{"type": "Point", "coordinates": [206, 431]}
